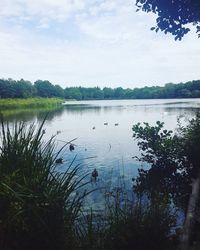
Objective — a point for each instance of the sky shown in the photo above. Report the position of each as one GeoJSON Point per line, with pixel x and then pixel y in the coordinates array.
{"type": "Point", "coordinates": [91, 43]}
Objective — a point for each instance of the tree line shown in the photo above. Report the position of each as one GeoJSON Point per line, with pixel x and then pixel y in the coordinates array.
{"type": "Point", "coordinates": [10, 88]}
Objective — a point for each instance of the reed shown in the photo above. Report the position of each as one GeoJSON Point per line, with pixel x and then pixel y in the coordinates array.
{"type": "Point", "coordinates": [29, 103]}
{"type": "Point", "coordinates": [38, 204]}
{"type": "Point", "coordinates": [129, 225]}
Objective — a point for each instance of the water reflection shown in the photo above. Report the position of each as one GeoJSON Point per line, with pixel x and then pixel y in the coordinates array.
{"type": "Point", "coordinates": [189, 106]}
{"type": "Point", "coordinates": [32, 114]}
{"type": "Point", "coordinates": [112, 145]}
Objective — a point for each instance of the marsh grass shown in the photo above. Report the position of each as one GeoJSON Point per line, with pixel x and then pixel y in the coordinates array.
{"type": "Point", "coordinates": [41, 208]}
{"type": "Point", "coordinates": [29, 103]}
{"type": "Point", "coordinates": [128, 225]}
{"type": "Point", "coordinates": [140, 225]}
{"type": "Point", "coordinates": [38, 205]}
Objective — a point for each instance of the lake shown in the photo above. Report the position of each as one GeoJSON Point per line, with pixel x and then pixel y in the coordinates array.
{"type": "Point", "coordinates": [104, 133]}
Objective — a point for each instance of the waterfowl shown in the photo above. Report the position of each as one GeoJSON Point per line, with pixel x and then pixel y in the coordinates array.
{"type": "Point", "coordinates": [116, 124]}
{"type": "Point", "coordinates": [105, 123]}
{"type": "Point", "coordinates": [59, 160]}
{"type": "Point", "coordinates": [94, 175]}
{"type": "Point", "coordinates": [93, 128]}
{"type": "Point", "coordinates": [71, 147]}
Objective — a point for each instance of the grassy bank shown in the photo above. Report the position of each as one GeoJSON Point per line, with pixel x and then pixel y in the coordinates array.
{"type": "Point", "coordinates": [29, 103]}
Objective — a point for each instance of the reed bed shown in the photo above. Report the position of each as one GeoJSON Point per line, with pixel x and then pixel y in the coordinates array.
{"type": "Point", "coordinates": [29, 103]}
{"type": "Point", "coordinates": [38, 204]}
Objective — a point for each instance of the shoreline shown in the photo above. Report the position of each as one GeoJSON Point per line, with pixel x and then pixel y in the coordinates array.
{"type": "Point", "coordinates": [18, 103]}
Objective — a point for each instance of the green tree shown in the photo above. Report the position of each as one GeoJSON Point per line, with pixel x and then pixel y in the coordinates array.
{"type": "Point", "coordinates": [24, 89]}
{"type": "Point", "coordinates": [98, 93]}
{"type": "Point", "coordinates": [45, 88]}
{"type": "Point", "coordinates": [108, 93]}
{"type": "Point", "coordinates": [119, 93]}
{"type": "Point", "coordinates": [128, 94]}
{"type": "Point", "coordinates": [7, 89]}
{"type": "Point", "coordinates": [59, 91]}
{"type": "Point", "coordinates": [73, 93]}
{"type": "Point", "coordinates": [173, 16]}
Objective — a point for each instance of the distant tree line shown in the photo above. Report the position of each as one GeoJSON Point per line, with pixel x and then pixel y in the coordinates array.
{"type": "Point", "coordinates": [10, 88]}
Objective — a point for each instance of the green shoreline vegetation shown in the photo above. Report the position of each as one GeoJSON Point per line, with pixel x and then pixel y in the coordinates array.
{"type": "Point", "coordinates": [29, 103]}
{"type": "Point", "coordinates": [39, 208]}
{"type": "Point", "coordinates": [42, 208]}
{"type": "Point", "coordinates": [25, 89]}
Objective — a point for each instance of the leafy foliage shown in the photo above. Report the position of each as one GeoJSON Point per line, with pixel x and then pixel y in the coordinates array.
{"type": "Point", "coordinates": [173, 159]}
{"type": "Point", "coordinates": [174, 170]}
{"type": "Point", "coordinates": [24, 89]}
{"type": "Point", "coordinates": [163, 151]}
{"type": "Point", "coordinates": [173, 16]}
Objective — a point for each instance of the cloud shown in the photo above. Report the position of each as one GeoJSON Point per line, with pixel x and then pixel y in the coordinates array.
{"type": "Point", "coordinates": [90, 42]}
{"type": "Point", "coordinates": [40, 9]}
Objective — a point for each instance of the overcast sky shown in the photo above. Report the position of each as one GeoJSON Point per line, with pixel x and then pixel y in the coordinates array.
{"type": "Point", "coordinates": [91, 43]}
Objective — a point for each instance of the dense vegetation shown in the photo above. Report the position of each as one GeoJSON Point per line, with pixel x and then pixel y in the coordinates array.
{"type": "Point", "coordinates": [41, 208]}
{"type": "Point", "coordinates": [25, 89]}
{"type": "Point", "coordinates": [174, 170]}
{"type": "Point", "coordinates": [29, 103]}
{"type": "Point", "coordinates": [173, 16]}
{"type": "Point", "coordinates": [37, 205]}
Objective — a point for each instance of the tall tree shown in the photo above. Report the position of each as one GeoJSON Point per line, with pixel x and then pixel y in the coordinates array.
{"type": "Point", "coordinates": [108, 93]}
{"type": "Point", "coordinates": [24, 89]}
{"type": "Point", "coordinates": [45, 88]}
{"type": "Point", "coordinates": [59, 91]}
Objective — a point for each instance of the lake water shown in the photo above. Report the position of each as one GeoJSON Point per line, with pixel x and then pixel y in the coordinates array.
{"type": "Point", "coordinates": [111, 145]}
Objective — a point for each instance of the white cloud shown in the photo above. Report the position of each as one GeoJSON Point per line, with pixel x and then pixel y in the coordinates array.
{"type": "Point", "coordinates": [58, 10]}
{"type": "Point", "coordinates": [112, 45]}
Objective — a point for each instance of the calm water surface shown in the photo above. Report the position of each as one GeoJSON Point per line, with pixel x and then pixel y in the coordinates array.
{"type": "Point", "coordinates": [111, 146]}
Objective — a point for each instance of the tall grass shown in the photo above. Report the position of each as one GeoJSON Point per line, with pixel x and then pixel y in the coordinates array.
{"type": "Point", "coordinates": [124, 225]}
{"type": "Point", "coordinates": [29, 103]}
{"type": "Point", "coordinates": [41, 208]}
{"type": "Point", "coordinates": [38, 205]}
